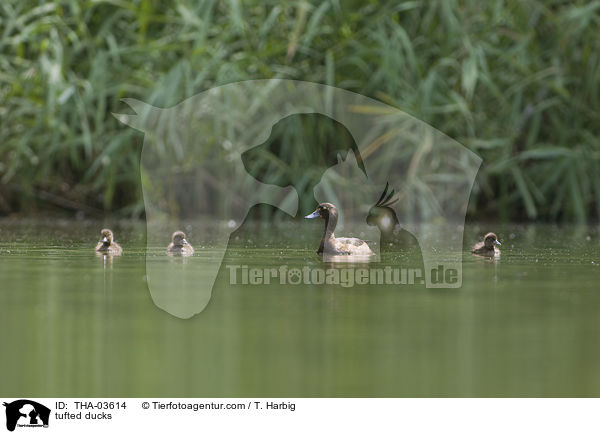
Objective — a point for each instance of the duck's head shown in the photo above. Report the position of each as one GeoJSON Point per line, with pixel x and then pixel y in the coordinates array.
{"type": "Point", "coordinates": [179, 239]}
{"type": "Point", "coordinates": [107, 237]}
{"type": "Point", "coordinates": [324, 210]}
{"type": "Point", "coordinates": [381, 214]}
{"type": "Point", "coordinates": [491, 240]}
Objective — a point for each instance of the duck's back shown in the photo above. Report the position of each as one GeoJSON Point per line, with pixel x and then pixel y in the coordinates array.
{"type": "Point", "coordinates": [352, 246]}
{"type": "Point", "coordinates": [186, 250]}
{"type": "Point", "coordinates": [482, 250]}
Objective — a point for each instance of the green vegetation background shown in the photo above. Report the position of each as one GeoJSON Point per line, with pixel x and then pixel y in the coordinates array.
{"type": "Point", "coordinates": [518, 82]}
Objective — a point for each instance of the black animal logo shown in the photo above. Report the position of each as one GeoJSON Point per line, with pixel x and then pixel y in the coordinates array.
{"type": "Point", "coordinates": [394, 238]}
{"type": "Point", "coordinates": [28, 409]}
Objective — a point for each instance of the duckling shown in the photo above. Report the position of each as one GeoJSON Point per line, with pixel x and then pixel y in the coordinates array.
{"type": "Point", "coordinates": [329, 243]}
{"type": "Point", "coordinates": [393, 236]}
{"type": "Point", "coordinates": [487, 247]}
{"type": "Point", "coordinates": [107, 245]}
{"type": "Point", "coordinates": [179, 246]}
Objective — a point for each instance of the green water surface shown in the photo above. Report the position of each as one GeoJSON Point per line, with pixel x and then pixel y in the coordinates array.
{"type": "Point", "coordinates": [75, 324]}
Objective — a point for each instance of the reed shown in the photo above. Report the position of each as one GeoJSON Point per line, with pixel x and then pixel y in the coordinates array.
{"type": "Point", "coordinates": [515, 81]}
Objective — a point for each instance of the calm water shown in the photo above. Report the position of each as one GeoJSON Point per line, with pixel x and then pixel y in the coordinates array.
{"type": "Point", "coordinates": [74, 324]}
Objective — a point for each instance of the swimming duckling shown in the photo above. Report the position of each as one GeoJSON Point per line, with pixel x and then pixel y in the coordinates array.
{"type": "Point", "coordinates": [487, 247]}
{"type": "Point", "coordinates": [179, 246]}
{"type": "Point", "coordinates": [107, 245]}
{"type": "Point", "coordinates": [329, 243]}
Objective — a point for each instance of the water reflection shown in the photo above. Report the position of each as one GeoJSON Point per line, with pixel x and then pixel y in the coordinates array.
{"type": "Point", "coordinates": [516, 327]}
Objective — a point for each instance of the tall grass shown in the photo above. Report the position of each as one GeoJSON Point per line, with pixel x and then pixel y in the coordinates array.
{"type": "Point", "coordinates": [515, 81]}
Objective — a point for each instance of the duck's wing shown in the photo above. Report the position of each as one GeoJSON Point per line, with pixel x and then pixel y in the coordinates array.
{"type": "Point", "coordinates": [353, 246]}
{"type": "Point", "coordinates": [481, 250]}
{"type": "Point", "coordinates": [477, 247]}
{"type": "Point", "coordinates": [350, 241]}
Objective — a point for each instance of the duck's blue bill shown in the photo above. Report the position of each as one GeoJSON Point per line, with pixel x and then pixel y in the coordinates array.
{"type": "Point", "coordinates": [314, 215]}
{"type": "Point", "coordinates": [497, 243]}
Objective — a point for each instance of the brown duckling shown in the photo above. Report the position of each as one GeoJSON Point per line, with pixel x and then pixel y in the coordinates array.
{"type": "Point", "coordinates": [487, 247]}
{"type": "Point", "coordinates": [329, 243]}
{"type": "Point", "coordinates": [179, 246]}
{"type": "Point", "coordinates": [108, 245]}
